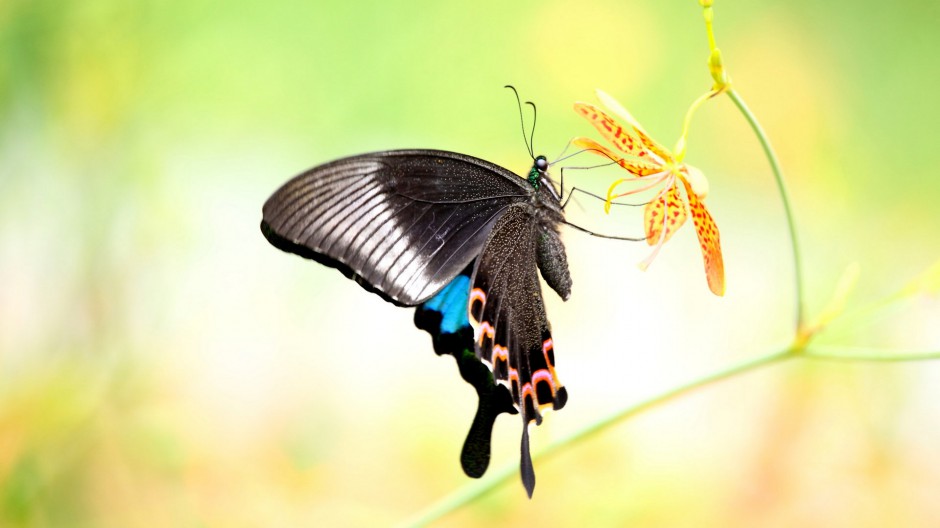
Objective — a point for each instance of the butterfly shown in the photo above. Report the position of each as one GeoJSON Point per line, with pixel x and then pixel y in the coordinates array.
{"type": "Point", "coordinates": [459, 238]}
{"type": "Point", "coordinates": [464, 241]}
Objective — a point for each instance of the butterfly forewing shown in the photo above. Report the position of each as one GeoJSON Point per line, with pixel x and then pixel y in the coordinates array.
{"type": "Point", "coordinates": [398, 222]}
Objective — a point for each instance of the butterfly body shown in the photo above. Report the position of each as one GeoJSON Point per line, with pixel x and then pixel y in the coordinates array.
{"type": "Point", "coordinates": [460, 238]}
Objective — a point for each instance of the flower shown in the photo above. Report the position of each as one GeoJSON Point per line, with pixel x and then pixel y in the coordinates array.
{"type": "Point", "coordinates": [683, 187]}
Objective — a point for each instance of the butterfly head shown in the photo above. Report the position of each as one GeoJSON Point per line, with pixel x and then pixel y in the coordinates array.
{"type": "Point", "coordinates": [538, 176]}
{"type": "Point", "coordinates": [538, 171]}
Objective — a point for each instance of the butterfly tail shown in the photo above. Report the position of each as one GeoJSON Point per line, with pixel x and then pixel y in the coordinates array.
{"type": "Point", "coordinates": [526, 469]}
{"type": "Point", "coordinates": [444, 316]}
{"type": "Point", "coordinates": [494, 400]}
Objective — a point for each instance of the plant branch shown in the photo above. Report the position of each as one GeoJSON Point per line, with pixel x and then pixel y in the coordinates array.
{"type": "Point", "coordinates": [496, 478]}
{"type": "Point", "coordinates": [800, 348]}
{"type": "Point", "coordinates": [850, 353]}
{"type": "Point", "coordinates": [784, 197]}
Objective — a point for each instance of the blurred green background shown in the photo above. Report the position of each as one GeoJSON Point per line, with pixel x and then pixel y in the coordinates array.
{"type": "Point", "coordinates": [162, 365]}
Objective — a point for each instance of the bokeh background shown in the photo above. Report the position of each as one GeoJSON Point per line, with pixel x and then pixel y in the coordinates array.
{"type": "Point", "coordinates": [162, 365]}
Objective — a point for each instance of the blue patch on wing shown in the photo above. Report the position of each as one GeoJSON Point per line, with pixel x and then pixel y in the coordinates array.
{"type": "Point", "coordinates": [452, 302]}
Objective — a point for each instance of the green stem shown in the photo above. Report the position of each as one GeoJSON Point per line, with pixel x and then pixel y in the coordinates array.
{"type": "Point", "coordinates": [784, 197]}
{"type": "Point", "coordinates": [479, 488]}
{"type": "Point", "coordinates": [846, 353]}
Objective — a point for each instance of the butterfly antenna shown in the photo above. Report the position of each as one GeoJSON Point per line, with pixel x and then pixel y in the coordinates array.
{"type": "Point", "coordinates": [521, 119]}
{"type": "Point", "coordinates": [535, 116]}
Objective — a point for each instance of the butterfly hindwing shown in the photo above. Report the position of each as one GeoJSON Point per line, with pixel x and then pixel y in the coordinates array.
{"type": "Point", "coordinates": [444, 316]}
{"type": "Point", "coordinates": [401, 223]}
{"type": "Point", "coordinates": [512, 333]}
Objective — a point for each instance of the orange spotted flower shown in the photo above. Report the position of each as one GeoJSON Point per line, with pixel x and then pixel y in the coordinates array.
{"type": "Point", "coordinates": [682, 187]}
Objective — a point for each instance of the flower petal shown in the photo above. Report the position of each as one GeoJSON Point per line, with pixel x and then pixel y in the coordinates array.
{"type": "Point", "coordinates": [618, 110]}
{"type": "Point", "coordinates": [670, 201]}
{"type": "Point", "coordinates": [709, 241]}
{"type": "Point", "coordinates": [697, 180]}
{"type": "Point", "coordinates": [635, 166]}
{"type": "Point", "coordinates": [623, 139]}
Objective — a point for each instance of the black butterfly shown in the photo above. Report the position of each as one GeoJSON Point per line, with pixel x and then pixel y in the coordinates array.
{"type": "Point", "coordinates": [460, 238]}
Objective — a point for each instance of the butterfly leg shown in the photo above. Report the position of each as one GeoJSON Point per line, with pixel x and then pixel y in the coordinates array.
{"type": "Point", "coordinates": [570, 194]}
{"type": "Point", "coordinates": [610, 237]}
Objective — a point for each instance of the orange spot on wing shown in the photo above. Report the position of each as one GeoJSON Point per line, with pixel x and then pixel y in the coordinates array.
{"type": "Point", "coordinates": [485, 330]}
{"type": "Point", "coordinates": [476, 295]}
{"type": "Point", "coordinates": [548, 352]}
{"type": "Point", "coordinates": [528, 391]}
{"type": "Point", "coordinates": [500, 353]}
